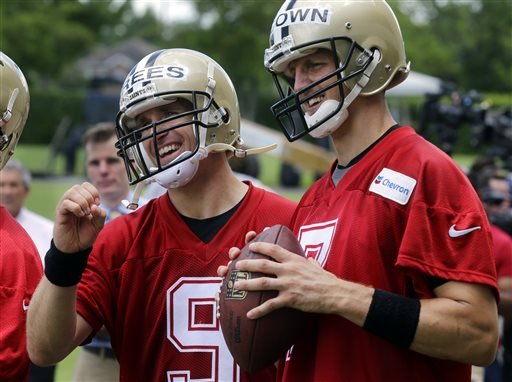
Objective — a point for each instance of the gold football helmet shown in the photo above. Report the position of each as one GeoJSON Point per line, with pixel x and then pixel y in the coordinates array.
{"type": "Point", "coordinates": [161, 78]}
{"type": "Point", "coordinates": [14, 105]}
{"type": "Point", "coordinates": [367, 48]}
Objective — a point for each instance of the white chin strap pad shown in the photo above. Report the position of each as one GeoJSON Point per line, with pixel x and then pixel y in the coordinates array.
{"type": "Point", "coordinates": [180, 174]}
{"type": "Point", "coordinates": [326, 128]}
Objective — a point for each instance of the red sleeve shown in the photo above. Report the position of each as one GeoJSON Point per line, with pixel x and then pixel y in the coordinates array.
{"type": "Point", "coordinates": [447, 234]}
{"type": "Point", "coordinates": [20, 272]}
{"type": "Point", "coordinates": [94, 294]}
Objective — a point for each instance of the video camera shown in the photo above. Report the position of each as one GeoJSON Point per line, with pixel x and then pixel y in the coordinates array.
{"type": "Point", "coordinates": [445, 119]}
{"type": "Point", "coordinates": [495, 133]}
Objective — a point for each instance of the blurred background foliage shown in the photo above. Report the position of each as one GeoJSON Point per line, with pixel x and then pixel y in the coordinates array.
{"type": "Point", "coordinates": [465, 42]}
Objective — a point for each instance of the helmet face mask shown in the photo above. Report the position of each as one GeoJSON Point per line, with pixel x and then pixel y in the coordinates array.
{"type": "Point", "coordinates": [367, 47]}
{"type": "Point", "coordinates": [14, 106]}
{"type": "Point", "coordinates": [134, 138]}
{"type": "Point", "coordinates": [163, 80]}
{"type": "Point", "coordinates": [290, 111]}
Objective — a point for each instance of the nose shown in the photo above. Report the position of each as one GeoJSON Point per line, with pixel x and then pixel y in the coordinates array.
{"type": "Point", "coordinates": [301, 78]}
{"type": "Point", "coordinates": [103, 167]}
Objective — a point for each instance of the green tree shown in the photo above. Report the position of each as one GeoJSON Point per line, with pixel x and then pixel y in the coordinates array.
{"type": "Point", "coordinates": [235, 33]}
{"type": "Point", "coordinates": [44, 37]}
{"type": "Point", "coordinates": [47, 37]}
{"type": "Point", "coordinates": [465, 42]}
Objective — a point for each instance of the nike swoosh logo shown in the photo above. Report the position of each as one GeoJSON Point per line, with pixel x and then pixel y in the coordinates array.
{"type": "Point", "coordinates": [456, 233]}
{"type": "Point", "coordinates": [24, 306]}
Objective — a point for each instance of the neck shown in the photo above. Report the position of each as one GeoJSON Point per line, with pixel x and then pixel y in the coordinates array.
{"type": "Point", "coordinates": [14, 212]}
{"type": "Point", "coordinates": [213, 190]}
{"type": "Point", "coordinates": [112, 201]}
{"type": "Point", "coordinates": [368, 119]}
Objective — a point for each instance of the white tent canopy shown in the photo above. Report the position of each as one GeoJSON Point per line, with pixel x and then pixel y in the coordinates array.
{"type": "Point", "coordinates": [417, 84]}
{"type": "Point", "coordinates": [301, 153]}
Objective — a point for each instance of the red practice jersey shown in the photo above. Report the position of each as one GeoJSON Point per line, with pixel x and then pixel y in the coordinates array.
{"type": "Point", "coordinates": [152, 283]}
{"type": "Point", "coordinates": [20, 272]}
{"type": "Point", "coordinates": [402, 215]}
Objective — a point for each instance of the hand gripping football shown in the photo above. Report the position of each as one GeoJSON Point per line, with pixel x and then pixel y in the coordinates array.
{"type": "Point", "coordinates": [258, 343]}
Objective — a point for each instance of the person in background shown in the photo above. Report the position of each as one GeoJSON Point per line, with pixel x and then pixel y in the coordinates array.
{"type": "Point", "coordinates": [150, 277]}
{"type": "Point", "coordinates": [492, 186]}
{"type": "Point", "coordinates": [15, 183]}
{"type": "Point", "coordinates": [105, 169]}
{"type": "Point", "coordinates": [20, 264]}
{"type": "Point", "coordinates": [399, 275]}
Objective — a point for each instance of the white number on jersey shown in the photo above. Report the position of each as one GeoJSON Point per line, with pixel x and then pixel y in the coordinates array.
{"type": "Point", "coordinates": [316, 240]}
{"type": "Point", "coordinates": [189, 330]}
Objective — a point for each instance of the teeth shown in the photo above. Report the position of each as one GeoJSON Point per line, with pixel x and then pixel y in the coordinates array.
{"type": "Point", "coordinates": [169, 148]}
{"type": "Point", "coordinates": [314, 100]}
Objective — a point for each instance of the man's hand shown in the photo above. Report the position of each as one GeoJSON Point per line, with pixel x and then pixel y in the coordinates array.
{"type": "Point", "coordinates": [233, 254]}
{"type": "Point", "coordinates": [301, 282]}
{"type": "Point", "coordinates": [78, 218]}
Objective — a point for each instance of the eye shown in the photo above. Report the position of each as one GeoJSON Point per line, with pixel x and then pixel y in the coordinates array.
{"type": "Point", "coordinates": [113, 161]}
{"type": "Point", "coordinates": [170, 113]}
{"type": "Point", "coordinates": [314, 65]}
{"type": "Point", "coordinates": [138, 123]}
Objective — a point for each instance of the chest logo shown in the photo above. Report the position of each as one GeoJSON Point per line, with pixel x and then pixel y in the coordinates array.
{"type": "Point", "coordinates": [393, 185]}
{"type": "Point", "coordinates": [452, 232]}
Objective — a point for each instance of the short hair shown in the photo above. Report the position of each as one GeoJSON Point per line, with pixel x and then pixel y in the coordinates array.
{"type": "Point", "coordinates": [99, 133]}
{"type": "Point", "coordinates": [16, 165]}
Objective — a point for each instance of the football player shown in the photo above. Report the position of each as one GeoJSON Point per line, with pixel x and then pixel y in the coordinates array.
{"type": "Point", "coordinates": [400, 270]}
{"type": "Point", "coordinates": [20, 265]}
{"type": "Point", "coordinates": [151, 276]}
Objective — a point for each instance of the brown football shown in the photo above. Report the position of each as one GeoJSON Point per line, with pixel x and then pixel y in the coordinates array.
{"type": "Point", "coordinates": [258, 343]}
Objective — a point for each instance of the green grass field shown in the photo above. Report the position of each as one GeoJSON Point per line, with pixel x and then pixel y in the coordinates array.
{"type": "Point", "coordinates": [64, 370]}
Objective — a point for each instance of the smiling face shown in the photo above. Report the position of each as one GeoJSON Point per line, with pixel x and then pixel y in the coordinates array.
{"type": "Point", "coordinates": [312, 94]}
{"type": "Point", "coordinates": [304, 71]}
{"type": "Point", "coordinates": [173, 138]}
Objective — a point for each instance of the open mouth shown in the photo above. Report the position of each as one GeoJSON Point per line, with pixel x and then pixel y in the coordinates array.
{"type": "Point", "coordinates": [314, 103]}
{"type": "Point", "coordinates": [167, 152]}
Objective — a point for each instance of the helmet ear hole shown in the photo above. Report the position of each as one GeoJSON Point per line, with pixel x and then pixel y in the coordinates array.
{"type": "Point", "coordinates": [379, 56]}
{"type": "Point", "coordinates": [226, 117]}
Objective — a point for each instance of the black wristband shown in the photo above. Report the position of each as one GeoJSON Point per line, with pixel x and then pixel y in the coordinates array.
{"type": "Point", "coordinates": [393, 317]}
{"type": "Point", "coordinates": [65, 269]}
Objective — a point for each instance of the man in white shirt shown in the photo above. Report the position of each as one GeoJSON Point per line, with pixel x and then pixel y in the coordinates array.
{"type": "Point", "coordinates": [15, 181]}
